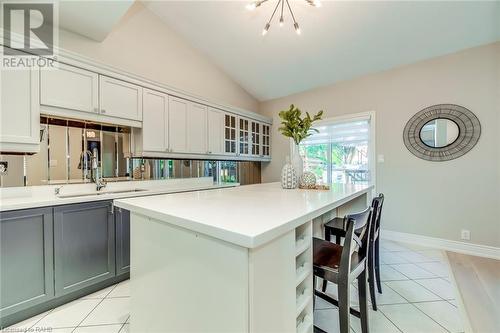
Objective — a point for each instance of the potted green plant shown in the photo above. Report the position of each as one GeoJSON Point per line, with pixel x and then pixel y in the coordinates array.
{"type": "Point", "coordinates": [297, 127]}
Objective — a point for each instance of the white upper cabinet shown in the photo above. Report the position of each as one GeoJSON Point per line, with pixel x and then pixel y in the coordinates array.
{"type": "Point", "coordinates": [197, 128]}
{"type": "Point", "coordinates": [155, 121]}
{"type": "Point", "coordinates": [266, 141]}
{"type": "Point", "coordinates": [19, 111]}
{"type": "Point", "coordinates": [70, 91]}
{"type": "Point", "coordinates": [120, 99]}
{"type": "Point", "coordinates": [230, 139]}
{"type": "Point", "coordinates": [69, 87]}
{"type": "Point", "coordinates": [215, 129]}
{"type": "Point", "coordinates": [177, 124]}
{"type": "Point", "coordinates": [255, 129]}
{"type": "Point", "coordinates": [244, 136]}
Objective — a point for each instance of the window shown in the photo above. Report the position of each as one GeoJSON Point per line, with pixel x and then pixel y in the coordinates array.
{"type": "Point", "coordinates": [340, 152]}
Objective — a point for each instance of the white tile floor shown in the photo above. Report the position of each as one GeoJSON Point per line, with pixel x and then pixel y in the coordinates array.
{"type": "Point", "coordinates": [106, 311]}
{"type": "Point", "coordinates": [417, 297]}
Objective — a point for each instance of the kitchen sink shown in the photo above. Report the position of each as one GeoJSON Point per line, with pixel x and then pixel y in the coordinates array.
{"type": "Point", "coordinates": [76, 195]}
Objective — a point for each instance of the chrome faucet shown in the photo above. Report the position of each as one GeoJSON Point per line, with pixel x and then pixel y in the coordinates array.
{"type": "Point", "coordinates": [84, 165]}
{"type": "Point", "coordinates": [97, 177]}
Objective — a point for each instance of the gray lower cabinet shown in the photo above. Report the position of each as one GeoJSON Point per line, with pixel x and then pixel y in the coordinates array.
{"type": "Point", "coordinates": [84, 245]}
{"type": "Point", "coordinates": [122, 238]}
{"type": "Point", "coordinates": [26, 256]}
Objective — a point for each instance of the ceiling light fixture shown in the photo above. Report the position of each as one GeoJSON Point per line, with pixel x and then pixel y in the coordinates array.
{"type": "Point", "coordinates": [253, 5]}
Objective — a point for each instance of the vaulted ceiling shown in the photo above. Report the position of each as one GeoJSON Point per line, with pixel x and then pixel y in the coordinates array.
{"type": "Point", "coordinates": [92, 19]}
{"type": "Point", "coordinates": [339, 41]}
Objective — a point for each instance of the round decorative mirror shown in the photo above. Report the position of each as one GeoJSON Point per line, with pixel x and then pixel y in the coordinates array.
{"type": "Point", "coordinates": [442, 132]}
{"type": "Point", "coordinates": [439, 133]}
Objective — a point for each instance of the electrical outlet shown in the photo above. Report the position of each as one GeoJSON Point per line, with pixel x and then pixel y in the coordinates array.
{"type": "Point", "coordinates": [465, 234]}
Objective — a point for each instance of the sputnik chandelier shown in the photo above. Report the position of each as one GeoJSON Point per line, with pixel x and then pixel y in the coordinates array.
{"type": "Point", "coordinates": [281, 3]}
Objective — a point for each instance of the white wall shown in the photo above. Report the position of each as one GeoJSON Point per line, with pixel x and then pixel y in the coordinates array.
{"type": "Point", "coordinates": [143, 45]}
{"type": "Point", "coordinates": [429, 198]}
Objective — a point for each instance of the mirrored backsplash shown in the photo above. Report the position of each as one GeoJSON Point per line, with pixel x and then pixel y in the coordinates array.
{"type": "Point", "coordinates": [67, 147]}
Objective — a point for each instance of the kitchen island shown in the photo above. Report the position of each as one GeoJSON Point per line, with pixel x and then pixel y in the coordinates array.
{"type": "Point", "coordinates": [229, 260]}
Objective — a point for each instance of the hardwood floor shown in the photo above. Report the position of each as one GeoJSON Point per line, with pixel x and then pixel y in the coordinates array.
{"type": "Point", "coordinates": [478, 282]}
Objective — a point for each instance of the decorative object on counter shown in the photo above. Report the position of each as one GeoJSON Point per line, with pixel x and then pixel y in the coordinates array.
{"type": "Point", "coordinates": [442, 132]}
{"type": "Point", "coordinates": [147, 171]}
{"type": "Point", "coordinates": [315, 187]}
{"type": "Point", "coordinates": [307, 179]}
{"type": "Point", "coordinates": [297, 128]}
{"type": "Point", "coordinates": [138, 172]}
{"type": "Point", "coordinates": [288, 176]}
{"type": "Point", "coordinates": [297, 161]}
{"type": "Point", "coordinates": [4, 166]}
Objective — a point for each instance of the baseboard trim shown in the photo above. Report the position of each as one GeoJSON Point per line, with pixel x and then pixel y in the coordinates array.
{"type": "Point", "coordinates": [443, 244]}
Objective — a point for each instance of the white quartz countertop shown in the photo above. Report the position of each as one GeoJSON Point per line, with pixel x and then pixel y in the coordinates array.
{"type": "Point", "coordinates": [248, 216]}
{"type": "Point", "coordinates": [44, 196]}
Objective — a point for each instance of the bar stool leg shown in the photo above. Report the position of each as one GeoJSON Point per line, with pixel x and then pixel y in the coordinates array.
{"type": "Point", "coordinates": [363, 303]}
{"type": "Point", "coordinates": [377, 265]}
{"type": "Point", "coordinates": [327, 237]}
{"type": "Point", "coordinates": [371, 279]}
{"type": "Point", "coordinates": [314, 290]}
{"type": "Point", "coordinates": [344, 293]}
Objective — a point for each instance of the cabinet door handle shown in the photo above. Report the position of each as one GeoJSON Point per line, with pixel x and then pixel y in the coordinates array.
{"type": "Point", "coordinates": [103, 111]}
{"type": "Point", "coordinates": [96, 110]}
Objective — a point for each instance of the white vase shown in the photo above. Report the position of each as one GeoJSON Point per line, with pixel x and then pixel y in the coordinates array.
{"type": "Point", "coordinates": [289, 179]}
{"type": "Point", "coordinates": [297, 162]}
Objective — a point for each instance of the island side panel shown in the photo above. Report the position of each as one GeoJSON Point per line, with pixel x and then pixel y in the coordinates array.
{"type": "Point", "coordinates": [272, 286]}
{"type": "Point", "coordinates": [354, 205]}
{"type": "Point", "coordinates": [182, 281]}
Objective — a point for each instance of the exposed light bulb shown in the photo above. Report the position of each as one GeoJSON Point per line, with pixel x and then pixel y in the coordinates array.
{"type": "Point", "coordinates": [281, 21]}
{"type": "Point", "coordinates": [297, 28]}
{"type": "Point", "coordinates": [266, 29]}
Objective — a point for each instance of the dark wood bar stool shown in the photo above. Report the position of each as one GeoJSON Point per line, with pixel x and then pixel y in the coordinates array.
{"type": "Point", "coordinates": [344, 264]}
{"type": "Point", "coordinates": [337, 228]}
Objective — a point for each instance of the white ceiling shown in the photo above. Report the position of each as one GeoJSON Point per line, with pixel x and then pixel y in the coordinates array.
{"type": "Point", "coordinates": [92, 19]}
{"type": "Point", "coordinates": [341, 40]}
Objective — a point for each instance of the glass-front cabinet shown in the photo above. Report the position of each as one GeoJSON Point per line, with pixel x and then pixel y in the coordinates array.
{"type": "Point", "coordinates": [230, 134]}
{"type": "Point", "coordinates": [266, 141]}
{"type": "Point", "coordinates": [256, 140]}
{"type": "Point", "coordinates": [253, 138]}
{"type": "Point", "coordinates": [244, 137]}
